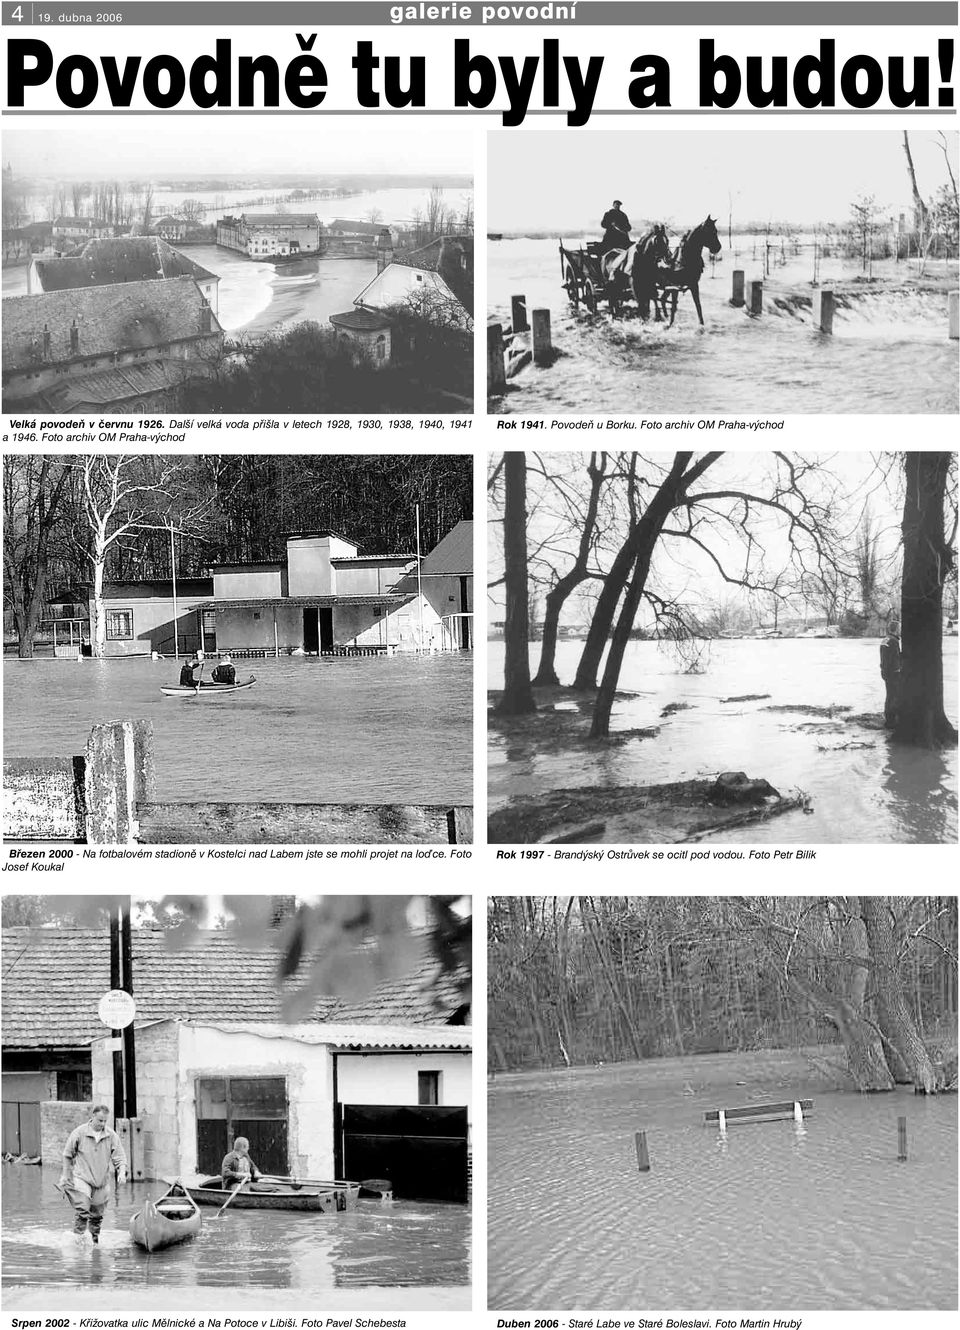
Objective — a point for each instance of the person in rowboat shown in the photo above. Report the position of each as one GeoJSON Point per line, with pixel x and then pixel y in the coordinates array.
{"type": "Point", "coordinates": [237, 1167]}
{"type": "Point", "coordinates": [225, 672]}
{"type": "Point", "coordinates": [186, 673]}
{"type": "Point", "coordinates": [90, 1153]}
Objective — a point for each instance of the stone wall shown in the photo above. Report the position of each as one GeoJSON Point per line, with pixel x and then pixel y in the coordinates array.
{"type": "Point", "coordinates": [58, 1117]}
{"type": "Point", "coordinates": [156, 1051]}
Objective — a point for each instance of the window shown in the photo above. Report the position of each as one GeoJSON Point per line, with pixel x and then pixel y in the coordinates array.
{"type": "Point", "coordinates": [428, 1087]}
{"type": "Point", "coordinates": [119, 625]}
{"type": "Point", "coordinates": [74, 1085]}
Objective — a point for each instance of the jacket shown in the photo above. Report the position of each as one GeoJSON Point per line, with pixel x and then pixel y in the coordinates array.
{"type": "Point", "coordinates": [92, 1159]}
{"type": "Point", "coordinates": [231, 1172]}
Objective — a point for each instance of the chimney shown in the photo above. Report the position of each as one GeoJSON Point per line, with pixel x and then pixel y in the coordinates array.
{"type": "Point", "coordinates": [46, 342]}
{"type": "Point", "coordinates": [384, 249]}
{"type": "Point", "coordinates": [281, 908]}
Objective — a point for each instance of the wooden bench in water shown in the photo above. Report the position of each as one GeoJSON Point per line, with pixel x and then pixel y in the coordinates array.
{"type": "Point", "coordinates": [759, 1112]}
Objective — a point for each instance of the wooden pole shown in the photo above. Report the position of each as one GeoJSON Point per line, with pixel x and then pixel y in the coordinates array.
{"type": "Point", "coordinates": [118, 777]}
{"type": "Point", "coordinates": [518, 313]}
{"type": "Point", "coordinates": [643, 1154]}
{"type": "Point", "coordinates": [542, 345]}
{"type": "Point", "coordinates": [953, 307]}
{"type": "Point", "coordinates": [755, 298]}
{"type": "Point", "coordinates": [496, 377]}
{"type": "Point", "coordinates": [901, 1139]}
{"type": "Point", "coordinates": [823, 311]}
{"type": "Point", "coordinates": [736, 295]}
{"type": "Point", "coordinates": [116, 970]}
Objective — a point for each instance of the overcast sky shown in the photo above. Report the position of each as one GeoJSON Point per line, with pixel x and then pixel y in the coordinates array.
{"type": "Point", "coordinates": [156, 145]}
{"type": "Point", "coordinates": [564, 182]}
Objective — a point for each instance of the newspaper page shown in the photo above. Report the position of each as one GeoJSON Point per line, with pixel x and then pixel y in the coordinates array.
{"type": "Point", "coordinates": [343, 534]}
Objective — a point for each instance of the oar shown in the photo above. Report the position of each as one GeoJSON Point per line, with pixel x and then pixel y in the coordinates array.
{"type": "Point", "coordinates": [302, 1182]}
{"type": "Point", "coordinates": [234, 1193]}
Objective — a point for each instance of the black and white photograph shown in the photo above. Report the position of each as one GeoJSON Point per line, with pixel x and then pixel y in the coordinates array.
{"type": "Point", "coordinates": [263, 1099]}
{"type": "Point", "coordinates": [203, 267]}
{"type": "Point", "coordinates": [238, 648]}
{"type": "Point", "coordinates": [737, 648]}
{"type": "Point", "coordinates": [779, 272]}
{"type": "Point", "coordinates": [713, 1103]}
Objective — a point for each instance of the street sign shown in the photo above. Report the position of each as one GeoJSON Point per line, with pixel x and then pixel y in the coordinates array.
{"type": "Point", "coordinates": [116, 1009]}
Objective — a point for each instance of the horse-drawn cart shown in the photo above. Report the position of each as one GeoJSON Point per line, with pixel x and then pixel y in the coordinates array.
{"type": "Point", "coordinates": [587, 282]}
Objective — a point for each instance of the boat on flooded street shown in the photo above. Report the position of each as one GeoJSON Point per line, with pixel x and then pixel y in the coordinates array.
{"type": "Point", "coordinates": [173, 1218]}
{"type": "Point", "coordinates": [324, 1198]}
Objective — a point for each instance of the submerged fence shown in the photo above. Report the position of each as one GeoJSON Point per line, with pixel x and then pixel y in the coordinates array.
{"type": "Point", "coordinates": [104, 797]}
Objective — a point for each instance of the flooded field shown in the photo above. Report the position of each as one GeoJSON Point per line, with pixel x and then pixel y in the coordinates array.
{"type": "Point", "coordinates": [377, 1255]}
{"type": "Point", "coordinates": [890, 352]}
{"type": "Point", "coordinates": [877, 793]}
{"type": "Point", "coordinates": [811, 1215]}
{"type": "Point", "coordinates": [368, 729]}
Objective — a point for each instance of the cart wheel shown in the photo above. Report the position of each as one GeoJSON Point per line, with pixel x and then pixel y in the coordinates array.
{"type": "Point", "coordinates": [570, 282]}
{"type": "Point", "coordinates": [590, 296]}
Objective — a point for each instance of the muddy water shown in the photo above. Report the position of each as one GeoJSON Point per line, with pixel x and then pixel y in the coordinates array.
{"type": "Point", "coordinates": [889, 353]}
{"type": "Point", "coordinates": [370, 729]}
{"type": "Point", "coordinates": [875, 792]}
{"type": "Point", "coordinates": [298, 1257]}
{"type": "Point", "coordinates": [817, 1215]}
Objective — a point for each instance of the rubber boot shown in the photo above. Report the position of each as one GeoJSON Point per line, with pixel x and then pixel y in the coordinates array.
{"type": "Point", "coordinates": [96, 1220]}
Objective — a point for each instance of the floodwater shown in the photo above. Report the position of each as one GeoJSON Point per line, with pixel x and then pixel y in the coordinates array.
{"type": "Point", "coordinates": [371, 729]}
{"type": "Point", "coordinates": [818, 1215]}
{"type": "Point", "coordinates": [874, 792]}
{"type": "Point", "coordinates": [402, 1245]}
{"type": "Point", "coordinates": [889, 352]}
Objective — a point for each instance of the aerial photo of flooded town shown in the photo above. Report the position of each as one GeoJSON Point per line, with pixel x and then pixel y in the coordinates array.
{"type": "Point", "coordinates": [796, 272]}
{"type": "Point", "coordinates": [239, 271]}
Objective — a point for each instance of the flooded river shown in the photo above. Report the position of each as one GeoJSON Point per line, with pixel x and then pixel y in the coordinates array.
{"type": "Point", "coordinates": [818, 1215]}
{"type": "Point", "coordinates": [304, 1262]}
{"type": "Point", "coordinates": [875, 792]}
{"type": "Point", "coordinates": [889, 353]}
{"type": "Point", "coordinates": [353, 730]}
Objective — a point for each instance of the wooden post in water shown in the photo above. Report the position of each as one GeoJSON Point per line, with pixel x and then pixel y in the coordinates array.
{"type": "Point", "coordinates": [118, 777]}
{"type": "Point", "coordinates": [901, 1139]}
{"type": "Point", "coordinates": [823, 311]}
{"type": "Point", "coordinates": [643, 1154]}
{"type": "Point", "coordinates": [518, 313]}
{"type": "Point", "coordinates": [736, 297]}
{"type": "Point", "coordinates": [953, 307]}
{"type": "Point", "coordinates": [755, 298]}
{"type": "Point", "coordinates": [496, 378]}
{"type": "Point", "coordinates": [542, 345]}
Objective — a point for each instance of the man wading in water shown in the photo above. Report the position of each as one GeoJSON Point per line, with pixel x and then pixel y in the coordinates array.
{"type": "Point", "coordinates": [89, 1154]}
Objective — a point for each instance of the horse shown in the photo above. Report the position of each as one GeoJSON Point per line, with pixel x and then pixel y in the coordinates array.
{"type": "Point", "coordinates": [638, 264]}
{"type": "Point", "coordinates": [687, 267]}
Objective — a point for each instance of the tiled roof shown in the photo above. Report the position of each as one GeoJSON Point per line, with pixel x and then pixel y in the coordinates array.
{"type": "Point", "coordinates": [355, 228]}
{"type": "Point", "coordinates": [127, 317]}
{"type": "Point", "coordinates": [360, 320]}
{"type": "Point", "coordinates": [103, 388]}
{"type": "Point", "coordinates": [449, 256]}
{"type": "Point", "coordinates": [454, 554]}
{"type": "Point", "coordinates": [254, 219]}
{"type": "Point", "coordinates": [53, 979]}
{"type": "Point", "coordinates": [343, 1034]}
{"type": "Point", "coordinates": [129, 259]}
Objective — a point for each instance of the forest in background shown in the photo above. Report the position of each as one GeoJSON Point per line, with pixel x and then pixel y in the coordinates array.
{"type": "Point", "coordinates": [580, 980]}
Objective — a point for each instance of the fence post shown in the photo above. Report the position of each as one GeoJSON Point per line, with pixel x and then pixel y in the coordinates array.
{"type": "Point", "coordinates": [755, 297]}
{"type": "Point", "coordinates": [901, 1139]}
{"type": "Point", "coordinates": [953, 306]}
{"type": "Point", "coordinates": [736, 297]}
{"type": "Point", "coordinates": [643, 1154]}
{"type": "Point", "coordinates": [518, 313]}
{"type": "Point", "coordinates": [823, 310]}
{"type": "Point", "coordinates": [119, 775]}
{"type": "Point", "coordinates": [496, 378]}
{"type": "Point", "coordinates": [542, 345]}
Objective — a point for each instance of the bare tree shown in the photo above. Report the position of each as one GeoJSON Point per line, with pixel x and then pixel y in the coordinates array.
{"type": "Point", "coordinates": [517, 695]}
{"type": "Point", "coordinates": [35, 491]}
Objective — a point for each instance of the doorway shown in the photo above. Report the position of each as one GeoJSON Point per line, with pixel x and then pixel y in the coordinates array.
{"type": "Point", "coordinates": [311, 631]}
{"type": "Point", "coordinates": [326, 629]}
{"type": "Point", "coordinates": [251, 1106]}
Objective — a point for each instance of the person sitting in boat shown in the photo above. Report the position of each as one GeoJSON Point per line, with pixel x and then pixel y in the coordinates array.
{"type": "Point", "coordinates": [237, 1167]}
{"type": "Point", "coordinates": [186, 673]}
{"type": "Point", "coordinates": [616, 228]}
{"type": "Point", "coordinates": [225, 672]}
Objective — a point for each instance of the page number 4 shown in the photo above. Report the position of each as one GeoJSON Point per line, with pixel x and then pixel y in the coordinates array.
{"type": "Point", "coordinates": [17, 15]}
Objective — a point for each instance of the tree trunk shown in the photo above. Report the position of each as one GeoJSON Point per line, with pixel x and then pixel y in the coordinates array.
{"type": "Point", "coordinates": [893, 1015]}
{"type": "Point", "coordinates": [99, 634]}
{"type": "Point", "coordinates": [547, 670]}
{"type": "Point", "coordinates": [602, 621]}
{"type": "Point", "coordinates": [927, 560]}
{"type": "Point", "coordinates": [919, 207]}
{"type": "Point", "coordinates": [517, 696]}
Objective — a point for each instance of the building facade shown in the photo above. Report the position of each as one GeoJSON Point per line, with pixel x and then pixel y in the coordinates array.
{"type": "Point", "coordinates": [270, 235]}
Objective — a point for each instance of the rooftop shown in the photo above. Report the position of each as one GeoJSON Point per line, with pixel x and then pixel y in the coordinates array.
{"type": "Point", "coordinates": [454, 554]}
{"type": "Point", "coordinates": [255, 219]}
{"type": "Point", "coordinates": [128, 259]}
{"type": "Point", "coordinates": [360, 320]}
{"type": "Point", "coordinates": [108, 319]}
{"type": "Point", "coordinates": [321, 602]}
{"type": "Point", "coordinates": [53, 979]}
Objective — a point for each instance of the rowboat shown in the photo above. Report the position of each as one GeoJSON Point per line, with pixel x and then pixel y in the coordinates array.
{"type": "Point", "coordinates": [208, 689]}
{"type": "Point", "coordinates": [173, 1218]}
{"type": "Point", "coordinates": [320, 1198]}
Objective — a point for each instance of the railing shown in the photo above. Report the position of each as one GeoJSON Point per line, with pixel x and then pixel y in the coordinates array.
{"type": "Point", "coordinates": [104, 798]}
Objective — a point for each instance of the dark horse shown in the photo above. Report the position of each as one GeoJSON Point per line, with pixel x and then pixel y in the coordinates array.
{"type": "Point", "coordinates": [639, 263]}
{"type": "Point", "coordinates": [687, 267]}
